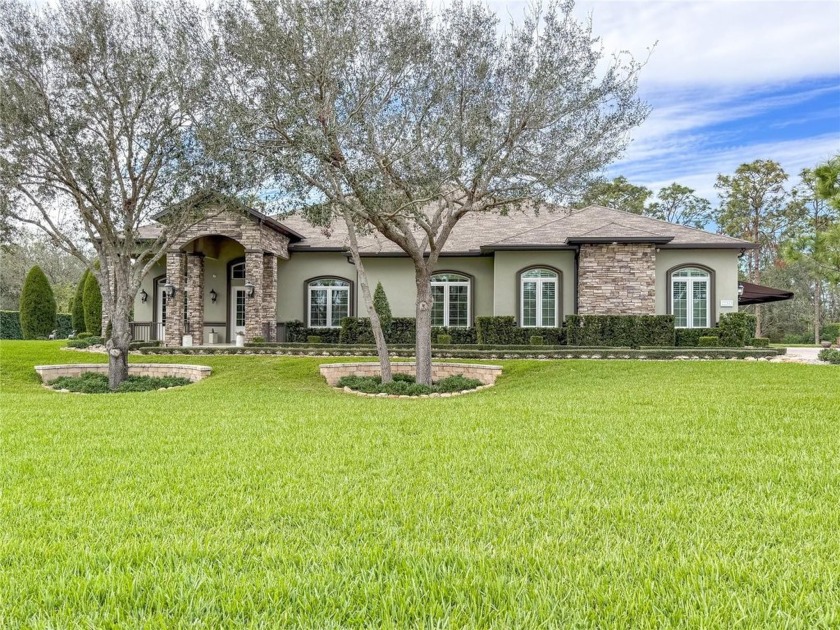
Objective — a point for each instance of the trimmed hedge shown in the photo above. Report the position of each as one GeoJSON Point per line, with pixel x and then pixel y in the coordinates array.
{"type": "Point", "coordinates": [503, 331]}
{"type": "Point", "coordinates": [403, 330]}
{"type": "Point", "coordinates": [37, 305]}
{"type": "Point", "coordinates": [78, 309]}
{"type": "Point", "coordinates": [10, 325]}
{"type": "Point", "coordinates": [712, 341]}
{"type": "Point", "coordinates": [93, 305]}
{"type": "Point", "coordinates": [760, 342]}
{"type": "Point", "coordinates": [620, 330]}
{"type": "Point", "coordinates": [736, 330]}
{"type": "Point", "coordinates": [297, 332]}
{"type": "Point", "coordinates": [690, 337]}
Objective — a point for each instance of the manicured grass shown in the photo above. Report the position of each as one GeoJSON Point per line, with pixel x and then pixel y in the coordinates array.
{"type": "Point", "coordinates": [574, 493]}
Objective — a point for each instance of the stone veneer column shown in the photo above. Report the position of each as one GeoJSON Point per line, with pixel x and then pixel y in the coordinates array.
{"type": "Point", "coordinates": [254, 305]}
{"type": "Point", "coordinates": [195, 296]}
{"type": "Point", "coordinates": [269, 296]}
{"type": "Point", "coordinates": [175, 304]}
{"type": "Point", "coordinates": [617, 279]}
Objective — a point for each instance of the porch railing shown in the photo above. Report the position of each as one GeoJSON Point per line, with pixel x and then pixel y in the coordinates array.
{"type": "Point", "coordinates": [146, 331]}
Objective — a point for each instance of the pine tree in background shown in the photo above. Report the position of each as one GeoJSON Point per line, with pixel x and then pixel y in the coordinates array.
{"type": "Point", "coordinates": [37, 305]}
{"type": "Point", "coordinates": [93, 305]}
{"type": "Point", "coordinates": [382, 307]}
{"type": "Point", "coordinates": [77, 310]}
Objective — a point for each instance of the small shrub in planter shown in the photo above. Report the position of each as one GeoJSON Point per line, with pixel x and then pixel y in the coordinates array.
{"type": "Point", "coordinates": [760, 342]}
{"type": "Point", "coordinates": [93, 383]}
{"type": "Point", "coordinates": [444, 340]}
{"type": "Point", "coordinates": [313, 339]}
{"type": "Point", "coordinates": [537, 340]}
{"type": "Point", "coordinates": [830, 355]}
{"type": "Point", "coordinates": [404, 385]}
{"type": "Point", "coordinates": [708, 342]}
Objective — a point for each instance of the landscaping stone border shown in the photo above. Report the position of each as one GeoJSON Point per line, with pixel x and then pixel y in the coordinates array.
{"type": "Point", "coordinates": [487, 374]}
{"type": "Point", "coordinates": [347, 390]}
{"type": "Point", "coordinates": [194, 373]}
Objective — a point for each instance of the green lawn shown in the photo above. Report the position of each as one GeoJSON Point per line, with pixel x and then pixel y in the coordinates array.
{"type": "Point", "coordinates": [575, 493]}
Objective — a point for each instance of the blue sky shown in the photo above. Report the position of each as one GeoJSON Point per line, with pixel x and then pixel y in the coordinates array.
{"type": "Point", "coordinates": [729, 82]}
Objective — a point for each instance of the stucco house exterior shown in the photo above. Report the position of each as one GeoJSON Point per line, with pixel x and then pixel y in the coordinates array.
{"type": "Point", "coordinates": [244, 271]}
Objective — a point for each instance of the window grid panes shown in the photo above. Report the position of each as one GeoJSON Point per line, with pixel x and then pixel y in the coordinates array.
{"type": "Point", "coordinates": [329, 302]}
{"type": "Point", "coordinates": [240, 308]}
{"type": "Point", "coordinates": [237, 271]}
{"type": "Point", "coordinates": [451, 295]}
{"type": "Point", "coordinates": [539, 298]}
{"type": "Point", "coordinates": [690, 298]}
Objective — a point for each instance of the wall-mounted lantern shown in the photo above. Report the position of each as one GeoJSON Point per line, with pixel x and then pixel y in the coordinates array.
{"type": "Point", "coordinates": [213, 295]}
{"type": "Point", "coordinates": [740, 289]}
{"type": "Point", "coordinates": [169, 289]}
{"type": "Point", "coordinates": [143, 296]}
{"type": "Point", "coordinates": [249, 289]}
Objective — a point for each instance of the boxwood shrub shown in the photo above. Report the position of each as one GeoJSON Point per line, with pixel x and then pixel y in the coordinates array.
{"type": "Point", "coordinates": [712, 341]}
{"type": "Point", "coordinates": [736, 330]}
{"type": "Point", "coordinates": [10, 325]}
{"type": "Point", "coordinates": [831, 355]}
{"type": "Point", "coordinates": [690, 337]}
{"type": "Point", "coordinates": [760, 342]}
{"type": "Point", "coordinates": [629, 331]}
{"type": "Point", "coordinates": [503, 331]}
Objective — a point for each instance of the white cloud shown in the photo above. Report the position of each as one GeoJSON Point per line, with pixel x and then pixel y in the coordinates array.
{"type": "Point", "coordinates": [722, 43]}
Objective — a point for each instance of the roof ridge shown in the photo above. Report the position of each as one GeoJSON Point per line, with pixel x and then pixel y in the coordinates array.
{"type": "Point", "coordinates": [676, 225]}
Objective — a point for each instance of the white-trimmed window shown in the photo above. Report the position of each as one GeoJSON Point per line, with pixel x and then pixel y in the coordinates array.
{"type": "Point", "coordinates": [329, 302]}
{"type": "Point", "coordinates": [451, 293]}
{"type": "Point", "coordinates": [237, 271]}
{"type": "Point", "coordinates": [690, 298]}
{"type": "Point", "coordinates": [539, 301]}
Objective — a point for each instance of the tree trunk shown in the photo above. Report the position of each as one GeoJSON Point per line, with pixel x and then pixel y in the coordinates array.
{"type": "Point", "coordinates": [423, 341]}
{"type": "Point", "coordinates": [117, 346]}
{"type": "Point", "coordinates": [817, 310]}
{"type": "Point", "coordinates": [364, 286]}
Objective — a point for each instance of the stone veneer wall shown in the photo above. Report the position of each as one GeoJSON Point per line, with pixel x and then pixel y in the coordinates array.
{"type": "Point", "coordinates": [193, 372]}
{"type": "Point", "coordinates": [487, 374]}
{"type": "Point", "coordinates": [617, 279]}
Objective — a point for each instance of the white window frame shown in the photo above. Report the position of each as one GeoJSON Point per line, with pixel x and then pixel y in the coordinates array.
{"type": "Point", "coordinates": [689, 304]}
{"type": "Point", "coordinates": [233, 269]}
{"type": "Point", "coordinates": [313, 285]}
{"type": "Point", "coordinates": [453, 283]}
{"type": "Point", "coordinates": [540, 281]}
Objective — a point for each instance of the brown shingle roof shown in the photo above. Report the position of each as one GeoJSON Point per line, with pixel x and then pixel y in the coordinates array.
{"type": "Point", "coordinates": [551, 228]}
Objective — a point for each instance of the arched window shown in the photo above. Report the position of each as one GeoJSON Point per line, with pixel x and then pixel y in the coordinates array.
{"type": "Point", "coordinates": [690, 303]}
{"type": "Point", "coordinates": [237, 271]}
{"type": "Point", "coordinates": [451, 293]}
{"type": "Point", "coordinates": [329, 302]}
{"type": "Point", "coordinates": [539, 302]}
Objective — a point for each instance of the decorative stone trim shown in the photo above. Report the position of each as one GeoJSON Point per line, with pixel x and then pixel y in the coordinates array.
{"type": "Point", "coordinates": [487, 374]}
{"type": "Point", "coordinates": [617, 279]}
{"type": "Point", "coordinates": [194, 373]}
{"type": "Point", "coordinates": [347, 390]}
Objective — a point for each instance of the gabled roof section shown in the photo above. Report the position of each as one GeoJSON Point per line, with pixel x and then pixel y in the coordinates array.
{"type": "Point", "coordinates": [207, 199]}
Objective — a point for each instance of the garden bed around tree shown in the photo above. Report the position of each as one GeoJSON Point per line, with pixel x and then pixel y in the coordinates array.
{"type": "Point", "coordinates": [89, 378]}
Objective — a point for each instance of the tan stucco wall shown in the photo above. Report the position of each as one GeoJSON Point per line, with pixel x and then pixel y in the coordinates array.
{"type": "Point", "coordinates": [508, 264]}
{"type": "Point", "coordinates": [293, 273]}
{"type": "Point", "coordinates": [396, 275]}
{"type": "Point", "coordinates": [397, 278]}
{"type": "Point", "coordinates": [723, 262]}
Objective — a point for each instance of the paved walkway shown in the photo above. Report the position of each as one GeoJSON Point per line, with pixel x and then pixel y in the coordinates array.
{"type": "Point", "coordinates": [800, 355]}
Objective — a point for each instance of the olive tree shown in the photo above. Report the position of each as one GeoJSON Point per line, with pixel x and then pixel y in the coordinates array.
{"type": "Point", "coordinates": [100, 103]}
{"type": "Point", "coordinates": [405, 120]}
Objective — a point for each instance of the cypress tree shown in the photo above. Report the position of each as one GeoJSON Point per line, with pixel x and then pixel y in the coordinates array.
{"type": "Point", "coordinates": [382, 307]}
{"type": "Point", "coordinates": [77, 310]}
{"type": "Point", "coordinates": [37, 305]}
{"type": "Point", "coordinates": [93, 305]}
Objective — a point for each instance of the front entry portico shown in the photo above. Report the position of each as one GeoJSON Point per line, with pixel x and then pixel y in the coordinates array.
{"type": "Point", "coordinates": [222, 275]}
